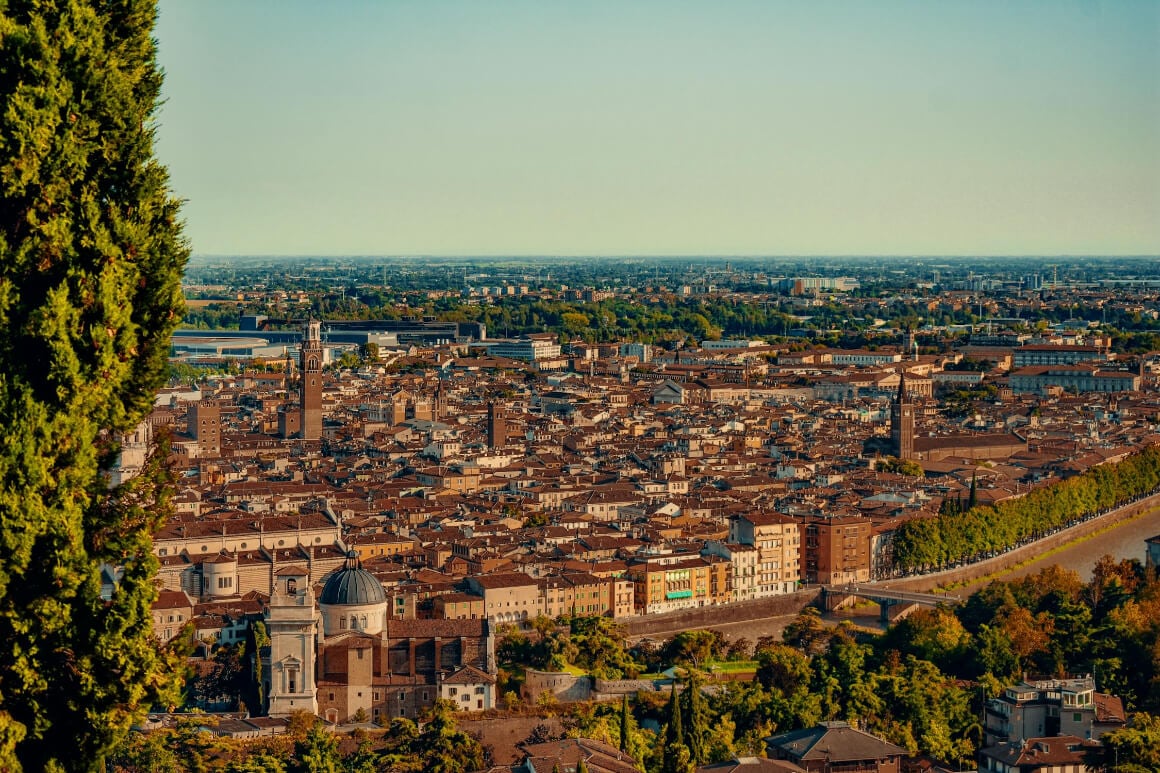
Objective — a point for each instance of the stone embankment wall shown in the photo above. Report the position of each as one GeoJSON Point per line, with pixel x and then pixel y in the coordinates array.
{"type": "Point", "coordinates": [707, 617]}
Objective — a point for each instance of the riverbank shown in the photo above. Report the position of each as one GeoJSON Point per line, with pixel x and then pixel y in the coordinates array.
{"type": "Point", "coordinates": [1120, 532]}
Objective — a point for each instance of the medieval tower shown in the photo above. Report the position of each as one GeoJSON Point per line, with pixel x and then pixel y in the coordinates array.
{"type": "Point", "coordinates": [902, 422]}
{"type": "Point", "coordinates": [311, 392]}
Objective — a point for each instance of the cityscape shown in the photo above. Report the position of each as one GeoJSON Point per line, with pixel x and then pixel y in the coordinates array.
{"type": "Point", "coordinates": [602, 387]}
{"type": "Point", "coordinates": [364, 464]}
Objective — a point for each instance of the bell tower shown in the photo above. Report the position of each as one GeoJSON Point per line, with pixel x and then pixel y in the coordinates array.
{"type": "Point", "coordinates": [902, 422]}
{"type": "Point", "coordinates": [292, 623]}
{"type": "Point", "coordinates": [310, 365]}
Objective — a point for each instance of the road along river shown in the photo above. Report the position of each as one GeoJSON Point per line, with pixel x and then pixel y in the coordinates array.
{"type": "Point", "coordinates": [1120, 533]}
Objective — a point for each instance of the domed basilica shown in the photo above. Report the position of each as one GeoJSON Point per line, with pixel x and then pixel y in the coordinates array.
{"type": "Point", "coordinates": [350, 654]}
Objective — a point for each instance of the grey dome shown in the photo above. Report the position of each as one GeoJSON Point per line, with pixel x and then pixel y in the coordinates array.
{"type": "Point", "coordinates": [352, 585]}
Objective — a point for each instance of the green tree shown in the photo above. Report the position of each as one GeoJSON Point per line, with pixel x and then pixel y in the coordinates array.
{"type": "Point", "coordinates": [318, 751]}
{"type": "Point", "coordinates": [91, 257]}
{"type": "Point", "coordinates": [675, 757]}
{"type": "Point", "coordinates": [624, 723]}
{"type": "Point", "coordinates": [696, 721]}
{"type": "Point", "coordinates": [445, 748]}
{"type": "Point", "coordinates": [363, 759]}
{"type": "Point", "coordinates": [1136, 744]}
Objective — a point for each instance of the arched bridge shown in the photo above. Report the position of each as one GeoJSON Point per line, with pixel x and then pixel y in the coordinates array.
{"type": "Point", "coordinates": [895, 604]}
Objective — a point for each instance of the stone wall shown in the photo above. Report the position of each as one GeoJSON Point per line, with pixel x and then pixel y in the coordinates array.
{"type": "Point", "coordinates": [564, 687]}
{"type": "Point", "coordinates": [707, 617]}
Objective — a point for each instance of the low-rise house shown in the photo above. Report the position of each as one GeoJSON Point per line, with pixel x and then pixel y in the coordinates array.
{"type": "Point", "coordinates": [1060, 754]}
{"type": "Point", "coordinates": [834, 746]}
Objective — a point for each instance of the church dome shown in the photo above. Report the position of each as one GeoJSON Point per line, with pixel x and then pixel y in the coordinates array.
{"type": "Point", "coordinates": [352, 585]}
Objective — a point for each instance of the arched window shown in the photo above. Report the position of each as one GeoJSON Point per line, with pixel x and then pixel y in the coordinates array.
{"type": "Point", "coordinates": [364, 622]}
{"type": "Point", "coordinates": [291, 585]}
{"type": "Point", "coordinates": [342, 623]}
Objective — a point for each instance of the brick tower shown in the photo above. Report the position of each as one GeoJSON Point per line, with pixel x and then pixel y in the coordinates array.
{"type": "Point", "coordinates": [310, 364]}
{"type": "Point", "coordinates": [902, 422]}
{"type": "Point", "coordinates": [496, 426]}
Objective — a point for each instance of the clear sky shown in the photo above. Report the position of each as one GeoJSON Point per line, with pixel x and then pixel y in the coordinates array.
{"type": "Point", "coordinates": [638, 127]}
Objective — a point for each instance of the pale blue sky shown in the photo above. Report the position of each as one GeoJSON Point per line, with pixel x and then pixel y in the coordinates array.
{"type": "Point", "coordinates": [639, 127]}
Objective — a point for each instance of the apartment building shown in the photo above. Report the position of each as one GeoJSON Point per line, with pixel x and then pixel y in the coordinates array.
{"type": "Point", "coordinates": [666, 583]}
{"type": "Point", "coordinates": [836, 549]}
{"type": "Point", "coordinates": [777, 538]}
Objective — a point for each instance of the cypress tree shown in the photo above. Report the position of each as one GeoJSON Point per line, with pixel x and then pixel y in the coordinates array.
{"type": "Point", "coordinates": [676, 757]}
{"type": "Point", "coordinates": [674, 733]}
{"type": "Point", "coordinates": [624, 729]}
{"type": "Point", "coordinates": [973, 497]}
{"type": "Point", "coordinates": [695, 724]}
{"type": "Point", "coordinates": [91, 256]}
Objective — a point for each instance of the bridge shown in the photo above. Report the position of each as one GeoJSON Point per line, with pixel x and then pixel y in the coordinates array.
{"type": "Point", "coordinates": [895, 604]}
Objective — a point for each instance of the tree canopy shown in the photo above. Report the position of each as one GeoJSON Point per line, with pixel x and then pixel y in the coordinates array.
{"type": "Point", "coordinates": [91, 256]}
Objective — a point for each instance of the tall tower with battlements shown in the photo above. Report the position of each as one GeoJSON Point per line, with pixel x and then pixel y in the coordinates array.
{"type": "Point", "coordinates": [310, 365]}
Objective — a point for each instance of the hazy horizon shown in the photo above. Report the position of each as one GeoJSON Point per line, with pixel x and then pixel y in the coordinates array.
{"type": "Point", "coordinates": [664, 129]}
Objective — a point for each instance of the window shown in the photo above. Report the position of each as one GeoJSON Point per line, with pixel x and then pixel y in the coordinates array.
{"type": "Point", "coordinates": [453, 692]}
{"type": "Point", "coordinates": [330, 696]}
{"type": "Point", "coordinates": [1077, 717]}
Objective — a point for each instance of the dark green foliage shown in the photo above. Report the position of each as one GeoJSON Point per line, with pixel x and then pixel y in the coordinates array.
{"type": "Point", "coordinates": [625, 718]}
{"type": "Point", "coordinates": [443, 747]}
{"type": "Point", "coordinates": [956, 535]}
{"type": "Point", "coordinates": [592, 643]}
{"type": "Point", "coordinates": [318, 751]}
{"type": "Point", "coordinates": [90, 263]}
{"type": "Point", "coordinates": [675, 756]}
{"type": "Point", "coordinates": [696, 647]}
{"type": "Point", "coordinates": [1135, 747]}
{"type": "Point", "coordinates": [696, 721]}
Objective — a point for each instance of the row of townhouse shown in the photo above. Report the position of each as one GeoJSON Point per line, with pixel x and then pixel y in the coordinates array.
{"type": "Point", "coordinates": [516, 597]}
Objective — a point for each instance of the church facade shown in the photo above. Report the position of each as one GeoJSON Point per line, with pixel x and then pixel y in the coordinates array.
{"type": "Point", "coordinates": [347, 660]}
